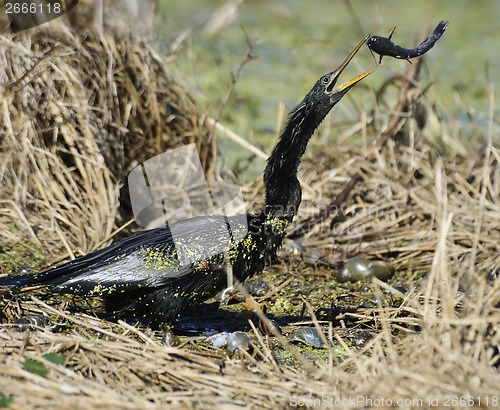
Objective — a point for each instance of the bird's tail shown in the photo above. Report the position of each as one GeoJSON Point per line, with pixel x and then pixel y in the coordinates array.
{"type": "Point", "coordinates": [13, 281]}
{"type": "Point", "coordinates": [16, 282]}
{"type": "Point", "coordinates": [50, 277]}
{"type": "Point", "coordinates": [55, 276]}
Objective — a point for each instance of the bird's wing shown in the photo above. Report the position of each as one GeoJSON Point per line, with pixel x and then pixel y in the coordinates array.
{"type": "Point", "coordinates": [146, 259]}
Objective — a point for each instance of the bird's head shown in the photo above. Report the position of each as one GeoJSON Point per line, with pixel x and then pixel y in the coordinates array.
{"type": "Point", "coordinates": [282, 185]}
{"type": "Point", "coordinates": [325, 94]}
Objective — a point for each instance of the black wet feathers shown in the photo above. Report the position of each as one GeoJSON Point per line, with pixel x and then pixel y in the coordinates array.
{"type": "Point", "coordinates": [157, 277]}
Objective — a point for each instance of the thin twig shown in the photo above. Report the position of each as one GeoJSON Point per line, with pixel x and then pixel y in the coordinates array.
{"type": "Point", "coordinates": [274, 291]}
{"type": "Point", "coordinates": [246, 58]}
{"type": "Point", "coordinates": [236, 138]}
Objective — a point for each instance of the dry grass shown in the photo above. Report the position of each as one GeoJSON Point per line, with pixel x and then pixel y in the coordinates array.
{"type": "Point", "coordinates": [428, 213]}
{"type": "Point", "coordinates": [437, 215]}
{"type": "Point", "coordinates": [82, 103]}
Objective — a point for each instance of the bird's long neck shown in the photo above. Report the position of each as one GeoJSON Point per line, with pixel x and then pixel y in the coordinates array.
{"type": "Point", "coordinates": [283, 190]}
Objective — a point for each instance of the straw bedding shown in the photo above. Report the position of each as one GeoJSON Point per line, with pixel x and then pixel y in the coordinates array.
{"type": "Point", "coordinates": [73, 113]}
{"type": "Point", "coordinates": [82, 104]}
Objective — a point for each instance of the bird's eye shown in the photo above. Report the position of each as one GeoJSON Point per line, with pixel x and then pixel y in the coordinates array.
{"type": "Point", "coordinates": [325, 80]}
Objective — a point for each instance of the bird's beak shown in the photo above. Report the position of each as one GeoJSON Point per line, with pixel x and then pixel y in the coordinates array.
{"type": "Point", "coordinates": [343, 88]}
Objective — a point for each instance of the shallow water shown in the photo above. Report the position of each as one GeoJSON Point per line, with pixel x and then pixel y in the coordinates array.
{"type": "Point", "coordinates": [299, 41]}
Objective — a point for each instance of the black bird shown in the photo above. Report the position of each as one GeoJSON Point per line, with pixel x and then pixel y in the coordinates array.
{"type": "Point", "coordinates": [145, 272]}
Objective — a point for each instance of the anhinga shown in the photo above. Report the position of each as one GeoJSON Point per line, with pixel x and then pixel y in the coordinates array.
{"type": "Point", "coordinates": [143, 272]}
